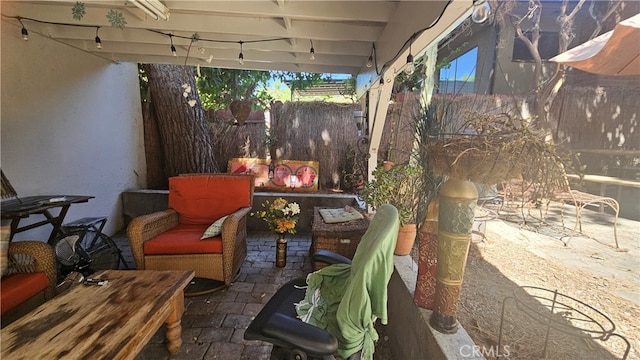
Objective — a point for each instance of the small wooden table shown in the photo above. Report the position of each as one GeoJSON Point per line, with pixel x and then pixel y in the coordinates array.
{"type": "Point", "coordinates": [113, 321]}
{"type": "Point", "coordinates": [342, 238]}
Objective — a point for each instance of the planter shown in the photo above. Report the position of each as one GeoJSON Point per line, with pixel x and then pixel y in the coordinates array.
{"type": "Point", "coordinates": [406, 238]}
{"type": "Point", "coordinates": [477, 158]}
{"type": "Point", "coordinates": [387, 165]}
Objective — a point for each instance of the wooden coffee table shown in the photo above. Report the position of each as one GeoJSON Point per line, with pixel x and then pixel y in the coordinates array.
{"type": "Point", "coordinates": [113, 321]}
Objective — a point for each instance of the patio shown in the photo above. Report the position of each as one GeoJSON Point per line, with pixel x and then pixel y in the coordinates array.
{"type": "Point", "coordinates": [213, 325]}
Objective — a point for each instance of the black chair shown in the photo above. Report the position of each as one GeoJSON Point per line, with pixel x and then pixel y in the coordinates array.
{"type": "Point", "coordinates": [363, 300]}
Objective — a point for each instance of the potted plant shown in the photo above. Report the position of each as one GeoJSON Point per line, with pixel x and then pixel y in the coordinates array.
{"type": "Point", "coordinates": [400, 187]}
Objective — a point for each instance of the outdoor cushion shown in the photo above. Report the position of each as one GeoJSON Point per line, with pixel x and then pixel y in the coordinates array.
{"type": "Point", "coordinates": [18, 288]}
{"type": "Point", "coordinates": [215, 229]}
{"type": "Point", "coordinates": [345, 214]}
{"type": "Point", "coordinates": [183, 239]}
{"type": "Point", "coordinates": [199, 199]}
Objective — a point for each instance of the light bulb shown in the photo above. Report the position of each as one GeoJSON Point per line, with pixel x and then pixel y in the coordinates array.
{"type": "Point", "coordinates": [25, 34]}
{"type": "Point", "coordinates": [173, 51]}
{"type": "Point", "coordinates": [370, 61]}
{"type": "Point", "coordinates": [410, 68]}
{"type": "Point", "coordinates": [98, 42]}
{"type": "Point", "coordinates": [312, 54]}
{"type": "Point", "coordinates": [481, 12]}
{"type": "Point", "coordinates": [241, 59]}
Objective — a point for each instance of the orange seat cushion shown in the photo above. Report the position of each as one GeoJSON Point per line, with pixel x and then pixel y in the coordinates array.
{"type": "Point", "coordinates": [18, 288]}
{"type": "Point", "coordinates": [203, 199]}
{"type": "Point", "coordinates": [183, 239]}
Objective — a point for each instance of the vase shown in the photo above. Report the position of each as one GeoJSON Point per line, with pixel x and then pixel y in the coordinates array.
{"type": "Point", "coordinates": [457, 201]}
{"type": "Point", "coordinates": [281, 251]}
{"type": "Point", "coordinates": [406, 238]}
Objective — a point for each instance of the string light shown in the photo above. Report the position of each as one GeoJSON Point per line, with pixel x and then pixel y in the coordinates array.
{"type": "Point", "coordinates": [98, 41]}
{"type": "Point", "coordinates": [241, 56]}
{"type": "Point", "coordinates": [381, 81]}
{"type": "Point", "coordinates": [312, 52]}
{"type": "Point", "coordinates": [410, 68]}
{"type": "Point", "coordinates": [25, 33]}
{"type": "Point", "coordinates": [173, 48]}
{"type": "Point", "coordinates": [370, 59]}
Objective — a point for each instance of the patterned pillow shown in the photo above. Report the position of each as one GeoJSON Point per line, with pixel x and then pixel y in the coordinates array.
{"type": "Point", "coordinates": [214, 229]}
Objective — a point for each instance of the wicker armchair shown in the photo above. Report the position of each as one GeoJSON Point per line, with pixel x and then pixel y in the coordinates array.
{"type": "Point", "coordinates": [170, 239]}
{"type": "Point", "coordinates": [30, 279]}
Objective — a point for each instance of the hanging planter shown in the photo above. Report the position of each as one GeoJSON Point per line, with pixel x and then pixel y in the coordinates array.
{"type": "Point", "coordinates": [477, 158]}
{"type": "Point", "coordinates": [240, 109]}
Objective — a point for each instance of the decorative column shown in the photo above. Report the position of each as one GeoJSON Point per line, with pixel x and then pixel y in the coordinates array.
{"type": "Point", "coordinates": [455, 222]}
{"type": "Point", "coordinates": [427, 258]}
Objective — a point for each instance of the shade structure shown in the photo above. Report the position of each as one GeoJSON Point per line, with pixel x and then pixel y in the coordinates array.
{"type": "Point", "coordinates": [614, 53]}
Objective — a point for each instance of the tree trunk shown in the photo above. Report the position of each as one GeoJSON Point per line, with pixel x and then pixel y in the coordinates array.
{"type": "Point", "coordinates": [156, 179]}
{"type": "Point", "coordinates": [186, 140]}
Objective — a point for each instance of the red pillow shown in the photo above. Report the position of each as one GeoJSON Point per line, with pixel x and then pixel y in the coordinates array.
{"type": "Point", "coordinates": [203, 199]}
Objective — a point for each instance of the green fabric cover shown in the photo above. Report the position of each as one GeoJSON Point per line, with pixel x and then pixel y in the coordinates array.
{"type": "Point", "coordinates": [345, 299]}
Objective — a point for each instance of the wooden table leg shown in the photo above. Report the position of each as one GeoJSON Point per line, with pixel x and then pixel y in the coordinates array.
{"type": "Point", "coordinates": [174, 328]}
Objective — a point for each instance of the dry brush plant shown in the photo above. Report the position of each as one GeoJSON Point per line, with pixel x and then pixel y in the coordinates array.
{"type": "Point", "coordinates": [491, 148]}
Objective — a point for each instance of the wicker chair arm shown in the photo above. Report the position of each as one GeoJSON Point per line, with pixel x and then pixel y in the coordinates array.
{"type": "Point", "coordinates": [146, 227]}
{"type": "Point", "coordinates": [234, 234]}
{"type": "Point", "coordinates": [32, 257]}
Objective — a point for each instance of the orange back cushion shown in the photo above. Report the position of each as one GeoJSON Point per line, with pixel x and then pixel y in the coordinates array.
{"type": "Point", "coordinates": [203, 199]}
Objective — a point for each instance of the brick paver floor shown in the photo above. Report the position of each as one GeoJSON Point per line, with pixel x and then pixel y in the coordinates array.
{"type": "Point", "coordinates": [213, 325]}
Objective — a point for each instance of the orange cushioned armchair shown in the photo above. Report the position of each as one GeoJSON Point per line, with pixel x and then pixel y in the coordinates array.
{"type": "Point", "coordinates": [29, 280]}
{"type": "Point", "coordinates": [171, 239]}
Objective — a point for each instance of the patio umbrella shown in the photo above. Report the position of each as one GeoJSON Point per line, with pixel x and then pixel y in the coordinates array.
{"type": "Point", "coordinates": [614, 53]}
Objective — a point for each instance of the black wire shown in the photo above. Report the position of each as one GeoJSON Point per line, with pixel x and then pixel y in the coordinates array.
{"type": "Point", "coordinates": [414, 35]}
{"type": "Point", "coordinates": [385, 65]}
{"type": "Point", "coordinates": [20, 18]}
{"type": "Point", "coordinates": [218, 41]}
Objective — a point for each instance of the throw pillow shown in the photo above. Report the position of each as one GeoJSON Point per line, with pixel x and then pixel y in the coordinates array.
{"type": "Point", "coordinates": [214, 229]}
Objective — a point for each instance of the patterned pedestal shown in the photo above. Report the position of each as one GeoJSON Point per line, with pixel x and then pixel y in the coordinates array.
{"type": "Point", "coordinates": [455, 223]}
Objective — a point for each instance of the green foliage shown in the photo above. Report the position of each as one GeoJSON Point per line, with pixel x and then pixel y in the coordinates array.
{"type": "Point", "coordinates": [78, 10]}
{"type": "Point", "coordinates": [219, 87]}
{"type": "Point", "coordinates": [428, 125]}
{"type": "Point", "coordinates": [399, 186]}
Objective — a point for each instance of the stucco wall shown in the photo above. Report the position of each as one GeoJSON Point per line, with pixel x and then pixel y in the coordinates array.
{"type": "Point", "coordinates": [70, 124]}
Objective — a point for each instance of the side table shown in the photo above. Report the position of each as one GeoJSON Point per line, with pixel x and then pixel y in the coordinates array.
{"type": "Point", "coordinates": [341, 238]}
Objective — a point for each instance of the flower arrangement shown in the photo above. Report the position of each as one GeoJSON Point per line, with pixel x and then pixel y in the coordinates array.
{"type": "Point", "coordinates": [281, 215]}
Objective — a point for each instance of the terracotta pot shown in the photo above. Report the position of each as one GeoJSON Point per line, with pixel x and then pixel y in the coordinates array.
{"type": "Point", "coordinates": [387, 165]}
{"type": "Point", "coordinates": [406, 238]}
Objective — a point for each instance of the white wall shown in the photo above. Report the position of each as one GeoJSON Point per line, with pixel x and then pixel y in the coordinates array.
{"type": "Point", "coordinates": [70, 124]}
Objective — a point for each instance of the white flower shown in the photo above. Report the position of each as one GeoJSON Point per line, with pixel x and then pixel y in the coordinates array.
{"type": "Point", "coordinates": [294, 208]}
